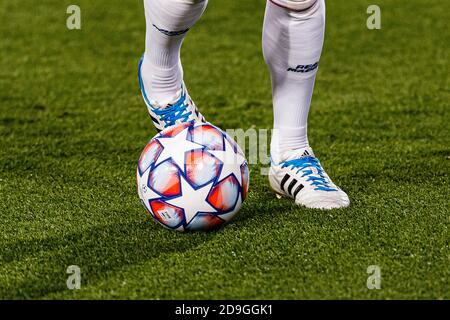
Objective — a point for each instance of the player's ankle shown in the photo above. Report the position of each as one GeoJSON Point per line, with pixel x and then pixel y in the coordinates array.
{"type": "Point", "coordinates": [161, 85]}
{"type": "Point", "coordinates": [287, 140]}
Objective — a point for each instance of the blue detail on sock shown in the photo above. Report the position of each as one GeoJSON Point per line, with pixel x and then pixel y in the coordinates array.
{"type": "Point", "coordinates": [171, 114]}
{"type": "Point", "coordinates": [304, 164]}
{"type": "Point", "coordinates": [141, 82]}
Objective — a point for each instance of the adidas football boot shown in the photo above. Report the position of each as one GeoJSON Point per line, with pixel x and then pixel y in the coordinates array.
{"type": "Point", "coordinates": [300, 176]}
{"type": "Point", "coordinates": [182, 109]}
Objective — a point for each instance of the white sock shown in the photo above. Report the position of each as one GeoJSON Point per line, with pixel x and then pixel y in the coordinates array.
{"type": "Point", "coordinates": [167, 22]}
{"type": "Point", "coordinates": [292, 45]}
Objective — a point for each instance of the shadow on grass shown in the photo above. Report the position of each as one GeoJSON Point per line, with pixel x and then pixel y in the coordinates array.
{"type": "Point", "coordinates": [97, 251]}
{"type": "Point", "coordinates": [100, 250]}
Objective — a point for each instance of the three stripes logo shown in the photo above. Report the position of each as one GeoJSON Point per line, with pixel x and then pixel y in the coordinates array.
{"type": "Point", "coordinates": [293, 185]}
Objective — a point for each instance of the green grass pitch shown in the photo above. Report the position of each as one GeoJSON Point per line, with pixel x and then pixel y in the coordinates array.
{"type": "Point", "coordinates": [73, 124]}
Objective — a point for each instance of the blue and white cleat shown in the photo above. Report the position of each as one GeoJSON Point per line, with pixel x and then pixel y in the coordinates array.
{"type": "Point", "coordinates": [301, 177]}
{"type": "Point", "coordinates": [182, 109]}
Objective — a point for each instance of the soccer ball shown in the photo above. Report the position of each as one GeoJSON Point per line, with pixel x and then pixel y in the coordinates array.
{"type": "Point", "coordinates": [192, 177]}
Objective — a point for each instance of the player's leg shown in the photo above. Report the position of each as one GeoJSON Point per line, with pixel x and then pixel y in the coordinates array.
{"type": "Point", "coordinates": [292, 42]}
{"type": "Point", "coordinates": [160, 70]}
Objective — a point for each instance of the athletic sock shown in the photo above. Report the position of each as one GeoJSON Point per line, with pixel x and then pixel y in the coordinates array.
{"type": "Point", "coordinates": [168, 22]}
{"type": "Point", "coordinates": [292, 45]}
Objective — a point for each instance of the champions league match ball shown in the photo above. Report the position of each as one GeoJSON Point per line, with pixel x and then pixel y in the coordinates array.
{"type": "Point", "coordinates": [192, 177]}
